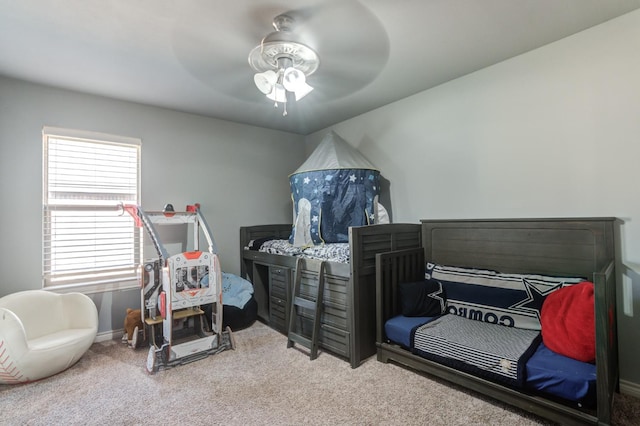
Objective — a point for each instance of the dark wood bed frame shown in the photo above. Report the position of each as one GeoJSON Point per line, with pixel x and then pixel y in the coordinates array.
{"type": "Point", "coordinates": [561, 247]}
{"type": "Point", "coordinates": [349, 319]}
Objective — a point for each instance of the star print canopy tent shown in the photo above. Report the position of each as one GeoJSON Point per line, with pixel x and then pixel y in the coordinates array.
{"type": "Point", "coordinates": [335, 188]}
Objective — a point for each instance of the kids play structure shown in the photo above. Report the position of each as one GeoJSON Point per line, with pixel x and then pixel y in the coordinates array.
{"type": "Point", "coordinates": [174, 289]}
{"type": "Point", "coordinates": [335, 188]}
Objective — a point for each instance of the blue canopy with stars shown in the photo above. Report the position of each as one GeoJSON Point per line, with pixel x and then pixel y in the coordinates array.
{"type": "Point", "coordinates": [335, 188]}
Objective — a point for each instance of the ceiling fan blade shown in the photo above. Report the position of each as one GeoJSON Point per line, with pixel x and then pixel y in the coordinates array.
{"type": "Point", "coordinates": [352, 44]}
{"type": "Point", "coordinates": [350, 40]}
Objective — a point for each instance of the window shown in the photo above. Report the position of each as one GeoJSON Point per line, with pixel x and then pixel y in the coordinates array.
{"type": "Point", "coordinates": [88, 240]}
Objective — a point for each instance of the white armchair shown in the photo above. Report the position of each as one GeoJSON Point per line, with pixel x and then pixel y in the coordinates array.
{"type": "Point", "coordinates": [43, 333]}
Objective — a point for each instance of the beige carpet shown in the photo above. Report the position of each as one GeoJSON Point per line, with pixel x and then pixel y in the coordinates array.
{"type": "Point", "coordinates": [261, 382]}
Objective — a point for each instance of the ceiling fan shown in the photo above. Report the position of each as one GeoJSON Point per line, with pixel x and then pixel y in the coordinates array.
{"type": "Point", "coordinates": [283, 63]}
{"type": "Point", "coordinates": [340, 47]}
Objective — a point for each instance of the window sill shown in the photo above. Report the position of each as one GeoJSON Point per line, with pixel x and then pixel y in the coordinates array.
{"type": "Point", "coordinates": [94, 288]}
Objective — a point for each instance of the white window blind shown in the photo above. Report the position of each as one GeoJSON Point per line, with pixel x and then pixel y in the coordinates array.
{"type": "Point", "coordinates": [87, 238]}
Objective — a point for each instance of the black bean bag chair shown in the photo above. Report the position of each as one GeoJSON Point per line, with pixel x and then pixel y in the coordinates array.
{"type": "Point", "coordinates": [235, 315]}
{"type": "Point", "coordinates": [236, 318]}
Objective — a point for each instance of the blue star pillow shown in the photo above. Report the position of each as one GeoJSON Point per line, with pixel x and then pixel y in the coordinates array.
{"type": "Point", "coordinates": [422, 299]}
{"type": "Point", "coordinates": [512, 300]}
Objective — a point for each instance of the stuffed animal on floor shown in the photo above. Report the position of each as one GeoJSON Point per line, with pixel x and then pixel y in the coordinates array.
{"type": "Point", "coordinates": [132, 326]}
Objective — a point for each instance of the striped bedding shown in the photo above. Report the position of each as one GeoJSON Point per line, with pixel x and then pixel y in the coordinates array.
{"type": "Point", "coordinates": [492, 351]}
{"type": "Point", "coordinates": [335, 252]}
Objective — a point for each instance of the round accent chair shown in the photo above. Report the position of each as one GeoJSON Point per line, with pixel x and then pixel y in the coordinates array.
{"type": "Point", "coordinates": [43, 333]}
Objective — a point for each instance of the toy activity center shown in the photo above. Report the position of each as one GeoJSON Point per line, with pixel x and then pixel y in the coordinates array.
{"type": "Point", "coordinates": [173, 289]}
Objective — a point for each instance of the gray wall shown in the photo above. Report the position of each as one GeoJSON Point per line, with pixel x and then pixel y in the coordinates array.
{"type": "Point", "coordinates": [237, 173]}
{"type": "Point", "coordinates": [551, 133]}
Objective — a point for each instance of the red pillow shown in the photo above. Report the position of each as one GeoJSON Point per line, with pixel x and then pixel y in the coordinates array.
{"type": "Point", "coordinates": [568, 322]}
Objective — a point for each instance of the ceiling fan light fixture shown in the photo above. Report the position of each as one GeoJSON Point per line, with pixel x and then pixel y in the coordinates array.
{"type": "Point", "coordinates": [295, 81]}
{"type": "Point", "coordinates": [278, 94]}
{"type": "Point", "coordinates": [303, 91]}
{"type": "Point", "coordinates": [265, 81]}
{"type": "Point", "coordinates": [293, 78]}
{"type": "Point", "coordinates": [282, 63]}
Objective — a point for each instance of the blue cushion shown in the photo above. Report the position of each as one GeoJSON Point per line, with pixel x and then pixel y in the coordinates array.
{"type": "Point", "coordinates": [561, 376]}
{"type": "Point", "coordinates": [400, 329]}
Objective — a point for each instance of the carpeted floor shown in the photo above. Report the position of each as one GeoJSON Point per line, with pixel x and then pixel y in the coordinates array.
{"type": "Point", "coordinates": [260, 382]}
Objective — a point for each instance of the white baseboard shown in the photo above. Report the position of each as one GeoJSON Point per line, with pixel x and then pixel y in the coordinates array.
{"type": "Point", "coordinates": [108, 335]}
{"type": "Point", "coordinates": [630, 388]}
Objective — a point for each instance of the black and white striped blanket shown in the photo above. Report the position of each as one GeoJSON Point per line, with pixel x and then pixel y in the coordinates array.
{"type": "Point", "coordinates": [488, 350]}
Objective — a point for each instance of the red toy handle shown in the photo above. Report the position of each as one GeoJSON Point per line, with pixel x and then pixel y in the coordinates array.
{"type": "Point", "coordinates": [163, 304]}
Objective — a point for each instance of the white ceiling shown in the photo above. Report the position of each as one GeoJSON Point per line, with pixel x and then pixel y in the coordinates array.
{"type": "Point", "coordinates": [191, 55]}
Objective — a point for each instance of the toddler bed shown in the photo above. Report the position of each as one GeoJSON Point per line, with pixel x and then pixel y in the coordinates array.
{"type": "Point", "coordinates": [348, 321]}
{"type": "Point", "coordinates": [502, 307]}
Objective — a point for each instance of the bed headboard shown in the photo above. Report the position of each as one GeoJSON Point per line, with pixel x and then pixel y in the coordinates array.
{"type": "Point", "coordinates": [248, 233]}
{"type": "Point", "coordinates": [561, 247]}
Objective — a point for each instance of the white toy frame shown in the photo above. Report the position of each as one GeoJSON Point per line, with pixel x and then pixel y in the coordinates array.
{"type": "Point", "coordinates": [172, 288]}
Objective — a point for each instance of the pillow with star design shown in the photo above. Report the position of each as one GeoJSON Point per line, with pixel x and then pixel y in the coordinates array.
{"type": "Point", "coordinates": [422, 298]}
{"type": "Point", "coordinates": [512, 300]}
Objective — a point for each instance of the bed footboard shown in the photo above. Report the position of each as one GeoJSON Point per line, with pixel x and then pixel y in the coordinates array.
{"type": "Point", "coordinates": [365, 242]}
{"type": "Point", "coordinates": [393, 268]}
{"type": "Point", "coordinates": [607, 338]}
